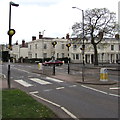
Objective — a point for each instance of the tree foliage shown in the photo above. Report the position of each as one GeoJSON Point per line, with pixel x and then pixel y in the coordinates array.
{"type": "Point", "coordinates": [98, 23]}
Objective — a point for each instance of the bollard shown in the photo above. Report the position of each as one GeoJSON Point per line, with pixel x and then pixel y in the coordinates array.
{"type": "Point", "coordinates": [40, 66]}
{"type": "Point", "coordinates": [103, 74]}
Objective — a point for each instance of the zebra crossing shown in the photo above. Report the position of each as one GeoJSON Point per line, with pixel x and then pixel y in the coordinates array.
{"type": "Point", "coordinates": [38, 81]}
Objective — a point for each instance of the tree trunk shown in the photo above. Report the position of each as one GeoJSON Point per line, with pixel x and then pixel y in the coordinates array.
{"type": "Point", "coordinates": [95, 55]}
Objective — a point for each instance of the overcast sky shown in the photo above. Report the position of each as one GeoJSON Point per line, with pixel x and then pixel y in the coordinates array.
{"type": "Point", "coordinates": [56, 17]}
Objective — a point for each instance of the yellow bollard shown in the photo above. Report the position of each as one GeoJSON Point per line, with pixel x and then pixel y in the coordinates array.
{"type": "Point", "coordinates": [103, 74]}
{"type": "Point", "coordinates": [40, 66]}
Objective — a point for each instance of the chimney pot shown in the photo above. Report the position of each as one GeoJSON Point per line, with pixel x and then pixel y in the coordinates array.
{"type": "Point", "coordinates": [33, 38]}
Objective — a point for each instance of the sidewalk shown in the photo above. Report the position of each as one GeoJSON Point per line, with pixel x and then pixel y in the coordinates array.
{"type": "Point", "coordinates": [76, 78]}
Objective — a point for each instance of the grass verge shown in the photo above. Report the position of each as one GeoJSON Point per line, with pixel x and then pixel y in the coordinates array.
{"type": "Point", "coordinates": [17, 104]}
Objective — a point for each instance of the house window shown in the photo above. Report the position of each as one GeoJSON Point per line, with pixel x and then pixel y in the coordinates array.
{"type": "Point", "coordinates": [77, 56]}
{"type": "Point", "coordinates": [30, 47]}
{"type": "Point", "coordinates": [45, 46]}
{"type": "Point", "coordinates": [74, 47]}
{"type": "Point", "coordinates": [45, 55]}
{"type": "Point", "coordinates": [63, 55]}
{"type": "Point", "coordinates": [112, 47]}
{"type": "Point", "coordinates": [63, 46]}
{"type": "Point", "coordinates": [35, 46]}
{"type": "Point", "coordinates": [73, 56]}
{"type": "Point", "coordinates": [57, 55]}
{"type": "Point", "coordinates": [35, 55]}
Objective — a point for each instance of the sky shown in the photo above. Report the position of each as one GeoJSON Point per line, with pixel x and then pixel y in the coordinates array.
{"type": "Point", "coordinates": [53, 18]}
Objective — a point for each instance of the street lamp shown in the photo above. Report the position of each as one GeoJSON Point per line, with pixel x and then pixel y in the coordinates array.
{"type": "Point", "coordinates": [54, 43]}
{"type": "Point", "coordinates": [11, 32]}
{"type": "Point", "coordinates": [83, 45]}
{"type": "Point", "coordinates": [68, 45]}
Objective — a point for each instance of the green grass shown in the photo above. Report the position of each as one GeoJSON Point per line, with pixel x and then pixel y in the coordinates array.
{"type": "Point", "coordinates": [17, 104]}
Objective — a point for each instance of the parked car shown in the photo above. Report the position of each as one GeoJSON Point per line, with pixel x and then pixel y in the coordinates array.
{"type": "Point", "coordinates": [118, 61]}
{"type": "Point", "coordinates": [52, 62]}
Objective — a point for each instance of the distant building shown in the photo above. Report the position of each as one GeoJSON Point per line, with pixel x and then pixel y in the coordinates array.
{"type": "Point", "coordinates": [42, 48]}
{"type": "Point", "coordinates": [108, 51]}
{"type": "Point", "coordinates": [19, 52]}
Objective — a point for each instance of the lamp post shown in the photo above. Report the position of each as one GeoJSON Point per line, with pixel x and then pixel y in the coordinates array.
{"type": "Point", "coordinates": [54, 43]}
{"type": "Point", "coordinates": [11, 32]}
{"type": "Point", "coordinates": [68, 45]}
{"type": "Point", "coordinates": [83, 44]}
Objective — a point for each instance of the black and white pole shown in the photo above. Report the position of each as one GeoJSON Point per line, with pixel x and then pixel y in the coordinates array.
{"type": "Point", "coordinates": [11, 32]}
{"type": "Point", "coordinates": [68, 45]}
{"type": "Point", "coordinates": [54, 43]}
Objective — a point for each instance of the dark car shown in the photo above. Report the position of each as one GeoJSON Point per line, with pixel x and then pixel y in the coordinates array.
{"type": "Point", "coordinates": [52, 62]}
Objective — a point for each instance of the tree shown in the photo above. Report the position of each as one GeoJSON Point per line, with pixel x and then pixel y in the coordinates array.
{"type": "Point", "coordinates": [98, 23]}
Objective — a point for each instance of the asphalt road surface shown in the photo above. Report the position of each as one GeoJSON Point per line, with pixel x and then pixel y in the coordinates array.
{"type": "Point", "coordinates": [73, 99]}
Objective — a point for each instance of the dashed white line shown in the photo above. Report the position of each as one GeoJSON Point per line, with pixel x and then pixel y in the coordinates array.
{"type": "Point", "coordinates": [59, 88]}
{"type": "Point", "coordinates": [73, 86]}
{"type": "Point", "coordinates": [115, 88]}
{"type": "Point", "coordinates": [100, 91]}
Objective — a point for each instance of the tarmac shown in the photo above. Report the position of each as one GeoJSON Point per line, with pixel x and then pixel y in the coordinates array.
{"type": "Point", "coordinates": [65, 77]}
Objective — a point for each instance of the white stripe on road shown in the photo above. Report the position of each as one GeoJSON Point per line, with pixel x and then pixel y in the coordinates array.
{"type": "Point", "coordinates": [94, 89]}
{"type": "Point", "coordinates": [42, 82]}
{"type": "Point", "coordinates": [60, 88]}
{"type": "Point", "coordinates": [115, 88]}
{"type": "Point", "coordinates": [53, 79]}
{"type": "Point", "coordinates": [100, 91]}
{"type": "Point", "coordinates": [25, 84]}
{"type": "Point", "coordinates": [57, 105]}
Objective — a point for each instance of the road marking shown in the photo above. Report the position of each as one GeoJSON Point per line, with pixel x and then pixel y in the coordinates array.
{"type": "Point", "coordinates": [57, 105]}
{"type": "Point", "coordinates": [115, 88]}
{"type": "Point", "coordinates": [69, 113]}
{"type": "Point", "coordinates": [47, 90]}
{"type": "Point", "coordinates": [2, 75]}
{"type": "Point", "coordinates": [73, 86]}
{"type": "Point", "coordinates": [42, 82]}
{"type": "Point", "coordinates": [94, 89]}
{"type": "Point", "coordinates": [114, 95]}
{"type": "Point", "coordinates": [22, 70]}
{"type": "Point", "coordinates": [100, 91]}
{"type": "Point", "coordinates": [53, 79]}
{"type": "Point", "coordinates": [24, 83]}
{"type": "Point", "coordinates": [59, 88]}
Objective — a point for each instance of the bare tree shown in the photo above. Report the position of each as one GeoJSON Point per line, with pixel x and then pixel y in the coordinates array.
{"type": "Point", "coordinates": [98, 23]}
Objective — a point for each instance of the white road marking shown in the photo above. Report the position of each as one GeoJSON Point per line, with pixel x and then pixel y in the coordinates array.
{"type": "Point", "coordinates": [94, 89]}
{"type": "Point", "coordinates": [60, 88]}
{"type": "Point", "coordinates": [53, 79]}
{"type": "Point", "coordinates": [100, 91]}
{"type": "Point", "coordinates": [25, 84]}
{"type": "Point", "coordinates": [69, 113]}
{"type": "Point", "coordinates": [114, 95]}
{"type": "Point", "coordinates": [47, 90]}
{"type": "Point", "coordinates": [73, 86]}
{"type": "Point", "coordinates": [22, 70]}
{"type": "Point", "coordinates": [42, 82]}
{"type": "Point", "coordinates": [115, 88]}
{"type": "Point", "coordinates": [57, 105]}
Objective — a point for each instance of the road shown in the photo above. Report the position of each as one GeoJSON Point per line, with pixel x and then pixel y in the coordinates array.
{"type": "Point", "coordinates": [73, 99]}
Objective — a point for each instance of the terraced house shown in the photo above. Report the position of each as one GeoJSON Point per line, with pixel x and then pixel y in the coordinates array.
{"type": "Point", "coordinates": [42, 48]}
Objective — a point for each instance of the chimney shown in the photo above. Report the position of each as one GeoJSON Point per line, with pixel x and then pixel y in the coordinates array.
{"type": "Point", "coordinates": [67, 36]}
{"type": "Point", "coordinates": [33, 38]}
{"type": "Point", "coordinates": [23, 43]}
{"type": "Point", "coordinates": [40, 36]}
